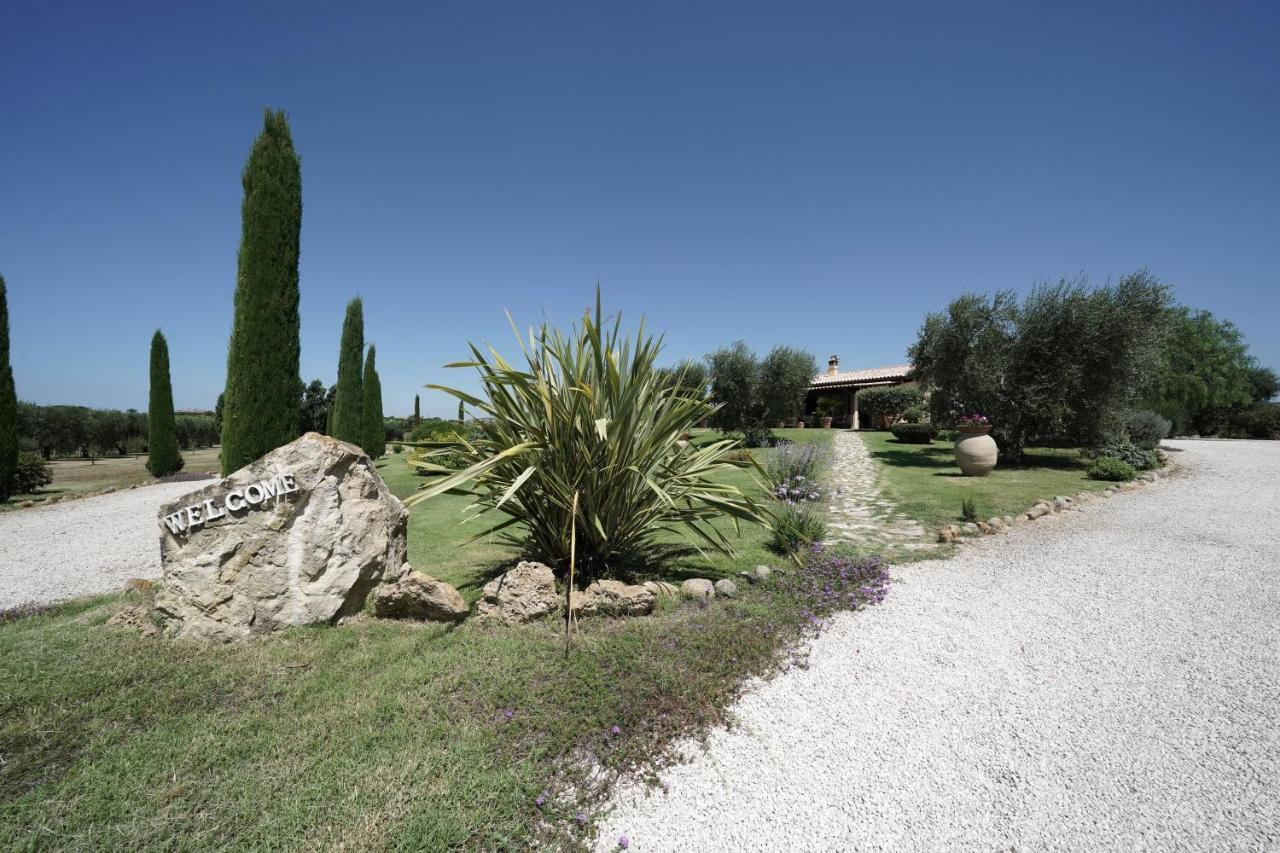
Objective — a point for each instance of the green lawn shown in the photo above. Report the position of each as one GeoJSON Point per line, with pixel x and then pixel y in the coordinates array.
{"type": "Point", "coordinates": [926, 483]}
{"type": "Point", "coordinates": [369, 736]}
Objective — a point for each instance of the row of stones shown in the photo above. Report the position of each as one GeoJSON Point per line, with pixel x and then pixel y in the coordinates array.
{"type": "Point", "coordinates": [1060, 503]}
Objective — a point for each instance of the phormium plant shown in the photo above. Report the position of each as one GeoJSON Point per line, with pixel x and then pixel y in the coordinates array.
{"type": "Point", "coordinates": [590, 413]}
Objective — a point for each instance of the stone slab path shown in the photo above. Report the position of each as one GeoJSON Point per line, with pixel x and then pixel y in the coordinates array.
{"type": "Point", "coordinates": [860, 514]}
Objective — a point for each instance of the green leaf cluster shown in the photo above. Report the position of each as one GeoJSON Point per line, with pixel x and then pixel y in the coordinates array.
{"type": "Point", "coordinates": [589, 414]}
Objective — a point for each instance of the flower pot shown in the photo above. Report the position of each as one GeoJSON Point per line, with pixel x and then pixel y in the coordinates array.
{"type": "Point", "coordinates": [781, 424]}
{"type": "Point", "coordinates": [826, 423]}
{"type": "Point", "coordinates": [976, 451]}
{"type": "Point", "coordinates": [799, 423]}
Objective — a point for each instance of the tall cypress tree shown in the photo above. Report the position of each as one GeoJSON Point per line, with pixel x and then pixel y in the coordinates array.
{"type": "Point", "coordinates": [8, 404]}
{"type": "Point", "coordinates": [163, 458]}
{"type": "Point", "coordinates": [264, 385]}
{"type": "Point", "coordinates": [375, 435]}
{"type": "Point", "coordinates": [417, 410]}
{"type": "Point", "coordinates": [348, 399]}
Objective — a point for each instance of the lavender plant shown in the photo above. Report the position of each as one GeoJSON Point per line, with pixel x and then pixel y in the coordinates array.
{"type": "Point", "coordinates": [794, 473]}
{"type": "Point", "coordinates": [827, 582]}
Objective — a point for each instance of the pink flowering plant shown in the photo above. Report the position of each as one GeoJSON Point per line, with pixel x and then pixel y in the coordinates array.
{"type": "Point", "coordinates": [974, 420]}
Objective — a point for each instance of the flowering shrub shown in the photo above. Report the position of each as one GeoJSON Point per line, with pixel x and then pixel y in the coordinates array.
{"type": "Point", "coordinates": [828, 582]}
{"type": "Point", "coordinates": [797, 525]}
{"type": "Point", "coordinates": [795, 471]}
{"type": "Point", "coordinates": [974, 420]}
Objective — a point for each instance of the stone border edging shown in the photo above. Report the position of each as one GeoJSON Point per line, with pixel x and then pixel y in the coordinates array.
{"type": "Point", "coordinates": [959, 533]}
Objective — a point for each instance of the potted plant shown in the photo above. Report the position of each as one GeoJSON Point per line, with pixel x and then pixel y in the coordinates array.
{"type": "Point", "coordinates": [975, 449]}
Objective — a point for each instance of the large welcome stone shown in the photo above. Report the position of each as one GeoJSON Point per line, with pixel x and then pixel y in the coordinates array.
{"type": "Point", "coordinates": [301, 536]}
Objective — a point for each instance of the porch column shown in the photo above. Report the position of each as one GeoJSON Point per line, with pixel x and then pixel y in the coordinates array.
{"type": "Point", "coordinates": [853, 407]}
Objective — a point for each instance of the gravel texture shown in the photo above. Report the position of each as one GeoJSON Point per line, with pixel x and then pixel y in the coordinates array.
{"type": "Point", "coordinates": [1103, 679]}
{"type": "Point", "coordinates": [82, 547]}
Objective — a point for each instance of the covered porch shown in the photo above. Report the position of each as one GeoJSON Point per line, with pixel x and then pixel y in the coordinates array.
{"type": "Point", "coordinates": [835, 393]}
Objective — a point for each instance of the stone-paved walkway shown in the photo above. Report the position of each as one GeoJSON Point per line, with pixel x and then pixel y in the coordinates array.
{"type": "Point", "coordinates": [859, 513]}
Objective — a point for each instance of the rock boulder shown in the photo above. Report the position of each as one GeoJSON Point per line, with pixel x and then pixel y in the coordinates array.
{"type": "Point", "coordinates": [298, 537]}
{"type": "Point", "coordinates": [523, 594]}
{"type": "Point", "coordinates": [613, 598]}
{"type": "Point", "coordinates": [419, 596]}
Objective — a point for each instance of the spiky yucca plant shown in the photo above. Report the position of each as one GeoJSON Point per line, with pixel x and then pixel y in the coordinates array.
{"type": "Point", "coordinates": [590, 413]}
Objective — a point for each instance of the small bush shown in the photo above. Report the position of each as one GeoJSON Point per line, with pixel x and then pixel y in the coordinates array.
{"type": "Point", "coordinates": [969, 510]}
{"type": "Point", "coordinates": [797, 468]}
{"type": "Point", "coordinates": [951, 435]}
{"type": "Point", "coordinates": [396, 448]}
{"type": "Point", "coordinates": [32, 473]}
{"type": "Point", "coordinates": [1146, 429]}
{"type": "Point", "coordinates": [909, 433]}
{"type": "Point", "coordinates": [797, 525]}
{"type": "Point", "coordinates": [913, 415]}
{"type": "Point", "coordinates": [1128, 452]}
{"type": "Point", "coordinates": [756, 435]}
{"type": "Point", "coordinates": [828, 582]}
{"type": "Point", "coordinates": [1111, 469]}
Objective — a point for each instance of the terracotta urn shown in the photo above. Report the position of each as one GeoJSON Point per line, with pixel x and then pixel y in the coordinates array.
{"type": "Point", "coordinates": [976, 451]}
{"type": "Point", "coordinates": [799, 423]}
{"type": "Point", "coordinates": [826, 423]}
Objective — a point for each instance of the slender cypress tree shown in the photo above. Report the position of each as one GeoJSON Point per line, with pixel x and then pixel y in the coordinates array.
{"type": "Point", "coordinates": [348, 399]}
{"type": "Point", "coordinates": [8, 404]}
{"type": "Point", "coordinates": [263, 380]}
{"type": "Point", "coordinates": [375, 434]}
{"type": "Point", "coordinates": [462, 413]}
{"type": "Point", "coordinates": [163, 458]}
{"type": "Point", "coordinates": [417, 410]}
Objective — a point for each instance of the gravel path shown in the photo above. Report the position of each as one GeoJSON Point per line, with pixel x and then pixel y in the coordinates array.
{"type": "Point", "coordinates": [85, 546]}
{"type": "Point", "coordinates": [1102, 679]}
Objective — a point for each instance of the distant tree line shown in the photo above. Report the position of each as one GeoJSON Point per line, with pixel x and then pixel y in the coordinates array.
{"type": "Point", "coordinates": [84, 432]}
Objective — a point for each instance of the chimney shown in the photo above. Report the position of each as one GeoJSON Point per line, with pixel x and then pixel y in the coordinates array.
{"type": "Point", "coordinates": [833, 365]}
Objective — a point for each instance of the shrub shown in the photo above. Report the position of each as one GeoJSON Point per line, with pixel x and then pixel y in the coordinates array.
{"type": "Point", "coordinates": [397, 448]}
{"type": "Point", "coordinates": [1129, 453]}
{"type": "Point", "coordinates": [1111, 469]}
{"type": "Point", "coordinates": [436, 429]}
{"type": "Point", "coordinates": [1257, 422]}
{"type": "Point", "coordinates": [796, 470]}
{"type": "Point", "coordinates": [797, 525]}
{"type": "Point", "coordinates": [913, 415]}
{"type": "Point", "coordinates": [889, 402]}
{"type": "Point", "coordinates": [756, 435]}
{"type": "Point", "coordinates": [909, 433]}
{"type": "Point", "coordinates": [949, 435]}
{"type": "Point", "coordinates": [591, 416]}
{"type": "Point", "coordinates": [1146, 428]}
{"type": "Point", "coordinates": [163, 457]}
{"type": "Point", "coordinates": [968, 510]}
{"type": "Point", "coordinates": [31, 473]}
{"type": "Point", "coordinates": [827, 582]}
{"type": "Point", "coordinates": [374, 435]}
{"type": "Point", "coordinates": [346, 415]}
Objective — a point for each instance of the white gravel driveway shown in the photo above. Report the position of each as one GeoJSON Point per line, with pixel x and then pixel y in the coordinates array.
{"type": "Point", "coordinates": [85, 546]}
{"type": "Point", "coordinates": [1106, 679]}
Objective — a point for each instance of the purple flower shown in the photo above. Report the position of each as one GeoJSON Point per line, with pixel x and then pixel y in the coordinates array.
{"type": "Point", "coordinates": [615, 731]}
{"type": "Point", "coordinates": [541, 798]}
{"type": "Point", "coordinates": [509, 712]}
{"type": "Point", "coordinates": [624, 842]}
{"type": "Point", "coordinates": [580, 818]}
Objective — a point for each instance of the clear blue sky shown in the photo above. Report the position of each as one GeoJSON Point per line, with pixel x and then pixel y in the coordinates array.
{"type": "Point", "coordinates": [804, 173]}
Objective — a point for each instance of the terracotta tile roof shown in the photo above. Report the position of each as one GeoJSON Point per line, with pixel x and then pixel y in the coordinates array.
{"type": "Point", "coordinates": [891, 373]}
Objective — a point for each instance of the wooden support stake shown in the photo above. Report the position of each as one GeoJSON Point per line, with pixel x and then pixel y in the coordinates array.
{"type": "Point", "coordinates": [569, 621]}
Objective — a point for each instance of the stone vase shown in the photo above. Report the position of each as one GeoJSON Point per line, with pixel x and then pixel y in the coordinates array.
{"type": "Point", "coordinates": [826, 423]}
{"type": "Point", "coordinates": [976, 452]}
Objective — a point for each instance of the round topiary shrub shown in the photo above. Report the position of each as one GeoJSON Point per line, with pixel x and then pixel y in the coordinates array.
{"type": "Point", "coordinates": [1146, 429]}
{"type": "Point", "coordinates": [1111, 469]}
{"type": "Point", "coordinates": [909, 433]}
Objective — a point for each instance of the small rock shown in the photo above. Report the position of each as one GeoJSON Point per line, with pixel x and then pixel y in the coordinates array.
{"type": "Point", "coordinates": [970, 529]}
{"type": "Point", "coordinates": [1037, 511]}
{"type": "Point", "coordinates": [108, 490]}
{"type": "Point", "coordinates": [698, 588]}
{"type": "Point", "coordinates": [1060, 503]}
{"type": "Point", "coordinates": [27, 504]}
{"type": "Point", "coordinates": [137, 617]}
{"type": "Point", "coordinates": [614, 598]}
{"type": "Point", "coordinates": [523, 594]}
{"type": "Point", "coordinates": [661, 588]}
{"type": "Point", "coordinates": [985, 529]}
{"type": "Point", "coordinates": [996, 523]}
{"type": "Point", "coordinates": [1008, 519]}
{"type": "Point", "coordinates": [419, 596]}
{"type": "Point", "coordinates": [946, 534]}
{"type": "Point", "coordinates": [762, 573]}
{"type": "Point", "coordinates": [727, 588]}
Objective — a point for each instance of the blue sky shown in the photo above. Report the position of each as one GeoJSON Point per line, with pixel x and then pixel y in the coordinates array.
{"type": "Point", "coordinates": [811, 174]}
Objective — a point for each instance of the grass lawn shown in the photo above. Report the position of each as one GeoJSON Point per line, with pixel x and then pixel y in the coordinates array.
{"type": "Point", "coordinates": [368, 736]}
{"type": "Point", "coordinates": [76, 476]}
{"type": "Point", "coordinates": [926, 483]}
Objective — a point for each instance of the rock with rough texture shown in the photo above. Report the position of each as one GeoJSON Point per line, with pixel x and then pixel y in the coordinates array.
{"type": "Point", "coordinates": [727, 588]}
{"type": "Point", "coordinates": [661, 588]}
{"type": "Point", "coordinates": [996, 523]}
{"type": "Point", "coordinates": [698, 588]}
{"type": "Point", "coordinates": [419, 596]}
{"type": "Point", "coordinates": [613, 598]}
{"type": "Point", "coordinates": [946, 534]}
{"type": "Point", "coordinates": [1060, 503]}
{"type": "Point", "coordinates": [523, 594]}
{"type": "Point", "coordinates": [762, 573]}
{"type": "Point", "coordinates": [1037, 511]}
{"type": "Point", "coordinates": [970, 529]}
{"type": "Point", "coordinates": [301, 536]}
{"type": "Point", "coordinates": [985, 529]}
{"type": "Point", "coordinates": [135, 617]}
